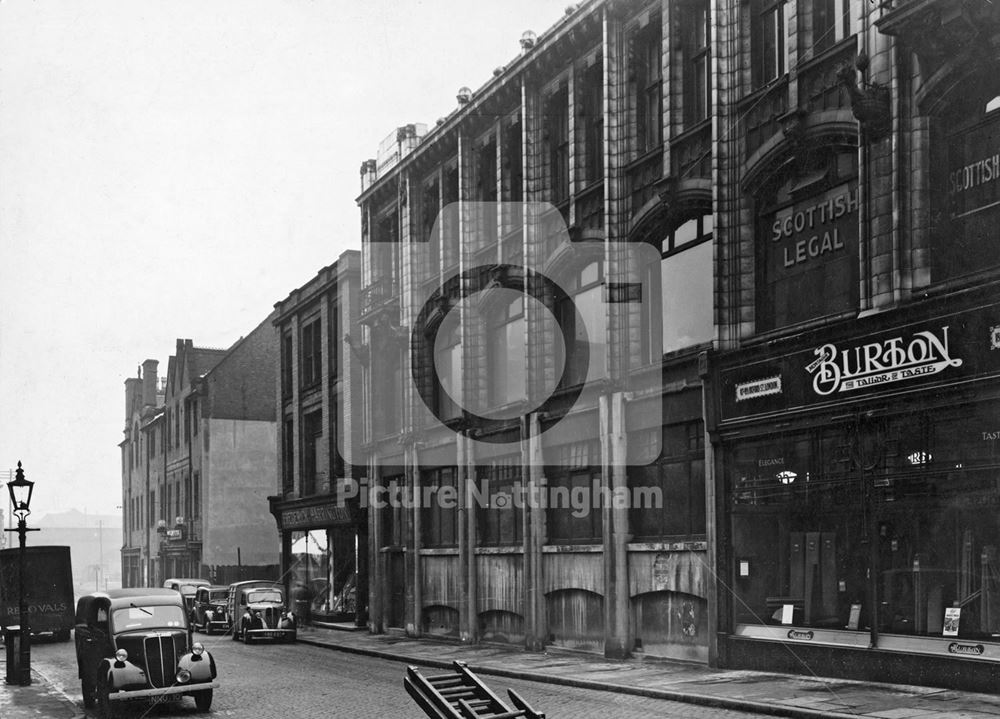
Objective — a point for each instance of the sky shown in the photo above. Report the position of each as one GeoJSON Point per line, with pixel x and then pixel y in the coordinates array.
{"type": "Point", "coordinates": [172, 169]}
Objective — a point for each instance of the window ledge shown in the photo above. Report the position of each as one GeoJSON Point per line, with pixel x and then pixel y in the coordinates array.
{"type": "Point", "coordinates": [686, 546]}
{"type": "Point", "coordinates": [438, 552]}
{"type": "Point", "coordinates": [500, 549]}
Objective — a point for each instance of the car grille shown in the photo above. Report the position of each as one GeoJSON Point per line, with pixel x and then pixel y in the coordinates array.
{"type": "Point", "coordinates": [162, 652]}
{"type": "Point", "coordinates": [271, 615]}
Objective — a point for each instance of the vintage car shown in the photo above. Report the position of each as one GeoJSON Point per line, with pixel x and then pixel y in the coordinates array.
{"type": "Point", "coordinates": [135, 644]}
{"type": "Point", "coordinates": [209, 612]}
{"type": "Point", "coordinates": [259, 611]}
{"type": "Point", "coordinates": [186, 586]}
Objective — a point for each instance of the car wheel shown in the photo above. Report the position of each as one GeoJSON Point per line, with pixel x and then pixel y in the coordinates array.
{"type": "Point", "coordinates": [62, 635]}
{"type": "Point", "coordinates": [203, 700]}
{"type": "Point", "coordinates": [89, 695]}
{"type": "Point", "coordinates": [105, 707]}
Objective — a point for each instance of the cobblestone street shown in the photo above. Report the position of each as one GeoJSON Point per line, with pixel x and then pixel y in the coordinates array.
{"type": "Point", "coordinates": [292, 681]}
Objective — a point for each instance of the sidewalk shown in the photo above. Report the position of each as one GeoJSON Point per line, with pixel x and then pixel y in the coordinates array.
{"type": "Point", "coordinates": [37, 701]}
{"type": "Point", "coordinates": [749, 691]}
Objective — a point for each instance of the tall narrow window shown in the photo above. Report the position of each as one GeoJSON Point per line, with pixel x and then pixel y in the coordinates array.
{"type": "Point", "coordinates": [448, 368]}
{"type": "Point", "coordinates": [557, 137]}
{"type": "Point", "coordinates": [486, 191]}
{"type": "Point", "coordinates": [312, 431]}
{"type": "Point", "coordinates": [441, 509]}
{"type": "Point", "coordinates": [429, 207]}
{"type": "Point", "coordinates": [830, 23]}
{"type": "Point", "coordinates": [592, 112]}
{"type": "Point", "coordinates": [695, 70]}
{"type": "Point", "coordinates": [288, 456]}
{"type": "Point", "coordinates": [312, 354]}
{"type": "Point", "coordinates": [767, 41]}
{"type": "Point", "coordinates": [686, 283]}
{"type": "Point", "coordinates": [581, 312]}
{"type": "Point", "coordinates": [647, 57]}
{"type": "Point", "coordinates": [513, 174]}
{"type": "Point", "coordinates": [507, 359]}
{"type": "Point", "coordinates": [287, 358]}
{"type": "Point", "coordinates": [500, 520]}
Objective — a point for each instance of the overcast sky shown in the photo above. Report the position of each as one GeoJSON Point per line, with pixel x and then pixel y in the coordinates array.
{"type": "Point", "coordinates": [172, 169]}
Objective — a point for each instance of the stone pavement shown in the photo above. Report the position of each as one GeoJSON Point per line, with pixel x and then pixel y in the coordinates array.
{"type": "Point", "coordinates": [759, 692]}
{"type": "Point", "coordinates": [37, 701]}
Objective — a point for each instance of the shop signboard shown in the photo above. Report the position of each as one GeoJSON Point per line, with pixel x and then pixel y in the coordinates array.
{"type": "Point", "coordinates": [951, 348]}
{"type": "Point", "coordinates": [320, 515]}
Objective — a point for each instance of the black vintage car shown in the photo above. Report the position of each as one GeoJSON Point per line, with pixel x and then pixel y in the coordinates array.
{"type": "Point", "coordinates": [209, 611]}
{"type": "Point", "coordinates": [136, 644]}
{"type": "Point", "coordinates": [259, 611]}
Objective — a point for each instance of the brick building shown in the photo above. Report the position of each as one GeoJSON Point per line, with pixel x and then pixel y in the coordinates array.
{"type": "Point", "coordinates": [589, 139]}
{"type": "Point", "coordinates": [198, 464]}
{"type": "Point", "coordinates": [853, 398]}
{"type": "Point", "coordinates": [322, 525]}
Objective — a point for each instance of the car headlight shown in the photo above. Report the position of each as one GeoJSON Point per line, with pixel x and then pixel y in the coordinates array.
{"type": "Point", "coordinates": [121, 655]}
{"type": "Point", "coordinates": [197, 649]}
{"type": "Point", "coordinates": [183, 676]}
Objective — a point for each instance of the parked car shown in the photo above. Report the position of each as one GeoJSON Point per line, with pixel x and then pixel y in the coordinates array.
{"type": "Point", "coordinates": [136, 644]}
{"type": "Point", "coordinates": [209, 612]}
{"type": "Point", "coordinates": [186, 586]}
{"type": "Point", "coordinates": [259, 611]}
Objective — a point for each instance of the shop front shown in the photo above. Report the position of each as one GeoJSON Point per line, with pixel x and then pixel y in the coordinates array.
{"type": "Point", "coordinates": [858, 498]}
{"type": "Point", "coordinates": [323, 562]}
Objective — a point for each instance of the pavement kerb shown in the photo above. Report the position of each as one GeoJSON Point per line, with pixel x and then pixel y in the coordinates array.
{"type": "Point", "coordinates": [744, 705]}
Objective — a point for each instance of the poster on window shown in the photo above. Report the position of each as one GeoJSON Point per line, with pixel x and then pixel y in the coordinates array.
{"type": "Point", "coordinates": [951, 617]}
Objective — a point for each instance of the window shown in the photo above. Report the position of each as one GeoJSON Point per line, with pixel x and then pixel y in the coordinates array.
{"type": "Point", "coordinates": [194, 417]}
{"type": "Point", "coordinates": [448, 369]}
{"type": "Point", "coordinates": [177, 425]}
{"type": "Point", "coordinates": [574, 512]}
{"type": "Point", "coordinates": [673, 484]}
{"type": "Point", "coordinates": [695, 71]}
{"type": "Point", "coordinates": [450, 237]}
{"type": "Point", "coordinates": [767, 41]}
{"type": "Point", "coordinates": [831, 23]}
{"type": "Point", "coordinates": [500, 521]}
{"type": "Point", "coordinates": [312, 353]}
{"type": "Point", "coordinates": [333, 332]}
{"type": "Point", "coordinates": [648, 72]}
{"type": "Point", "coordinates": [584, 302]}
{"type": "Point", "coordinates": [312, 431]}
{"type": "Point", "coordinates": [196, 495]}
{"type": "Point", "coordinates": [513, 171]}
{"type": "Point", "coordinates": [506, 356]}
{"type": "Point", "coordinates": [486, 192]}
{"type": "Point", "coordinates": [430, 205]}
{"type": "Point", "coordinates": [288, 456]}
{"type": "Point", "coordinates": [592, 116]}
{"type": "Point", "coordinates": [187, 424]}
{"type": "Point", "coordinates": [152, 505]}
{"type": "Point", "coordinates": [287, 358]}
{"type": "Point", "coordinates": [557, 138]}
{"type": "Point", "coordinates": [686, 283]}
{"type": "Point", "coordinates": [439, 504]}
{"type": "Point", "coordinates": [388, 391]}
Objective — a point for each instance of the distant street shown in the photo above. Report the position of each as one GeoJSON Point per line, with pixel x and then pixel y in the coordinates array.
{"type": "Point", "coordinates": [295, 681]}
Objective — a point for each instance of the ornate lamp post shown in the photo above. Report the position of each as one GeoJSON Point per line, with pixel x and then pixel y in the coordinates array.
{"type": "Point", "coordinates": [20, 498]}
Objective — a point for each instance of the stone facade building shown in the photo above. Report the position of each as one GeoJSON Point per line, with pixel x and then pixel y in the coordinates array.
{"type": "Point", "coordinates": [322, 523]}
{"type": "Point", "coordinates": [198, 464]}
{"type": "Point", "coordinates": [819, 181]}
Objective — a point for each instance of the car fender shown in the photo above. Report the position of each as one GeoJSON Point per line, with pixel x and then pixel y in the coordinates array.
{"type": "Point", "coordinates": [202, 668]}
{"type": "Point", "coordinates": [127, 674]}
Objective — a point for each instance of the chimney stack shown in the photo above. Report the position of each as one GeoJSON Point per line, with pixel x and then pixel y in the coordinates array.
{"type": "Point", "coordinates": [149, 382]}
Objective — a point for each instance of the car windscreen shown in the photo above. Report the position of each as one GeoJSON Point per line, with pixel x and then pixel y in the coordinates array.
{"type": "Point", "coordinates": [157, 616]}
{"type": "Point", "coordinates": [266, 595]}
{"type": "Point", "coordinates": [219, 596]}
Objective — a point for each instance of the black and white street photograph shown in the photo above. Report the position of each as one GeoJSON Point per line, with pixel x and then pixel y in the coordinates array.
{"type": "Point", "coordinates": [462, 360]}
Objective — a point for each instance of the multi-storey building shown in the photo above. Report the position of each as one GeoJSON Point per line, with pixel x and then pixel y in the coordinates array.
{"type": "Point", "coordinates": [854, 405]}
{"type": "Point", "coordinates": [595, 139]}
{"type": "Point", "coordinates": [322, 522]}
{"type": "Point", "coordinates": [198, 464]}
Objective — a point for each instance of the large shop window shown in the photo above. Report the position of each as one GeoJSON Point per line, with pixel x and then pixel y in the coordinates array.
{"type": "Point", "coordinates": [807, 241]}
{"type": "Point", "coordinates": [674, 482]}
{"type": "Point", "coordinates": [909, 501]}
{"type": "Point", "coordinates": [500, 504]}
{"type": "Point", "coordinates": [448, 368]}
{"type": "Point", "coordinates": [439, 507]}
{"type": "Point", "coordinates": [323, 574]}
{"type": "Point", "coordinates": [573, 512]}
{"type": "Point", "coordinates": [965, 199]}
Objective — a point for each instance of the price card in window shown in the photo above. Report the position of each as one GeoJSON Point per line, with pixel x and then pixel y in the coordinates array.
{"type": "Point", "coordinates": [855, 617]}
{"type": "Point", "coordinates": [787, 611]}
{"type": "Point", "coordinates": [951, 617]}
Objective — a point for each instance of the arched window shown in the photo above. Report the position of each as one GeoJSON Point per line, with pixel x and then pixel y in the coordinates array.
{"type": "Point", "coordinates": [685, 279]}
{"type": "Point", "coordinates": [506, 357]}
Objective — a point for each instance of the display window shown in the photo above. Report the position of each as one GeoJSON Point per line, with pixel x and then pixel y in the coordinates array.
{"type": "Point", "coordinates": [886, 521]}
{"type": "Point", "coordinates": [323, 574]}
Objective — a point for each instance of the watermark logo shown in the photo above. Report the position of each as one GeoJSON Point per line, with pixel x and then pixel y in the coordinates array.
{"type": "Point", "coordinates": [501, 317]}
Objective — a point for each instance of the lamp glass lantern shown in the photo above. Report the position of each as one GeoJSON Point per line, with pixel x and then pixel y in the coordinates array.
{"type": "Point", "coordinates": [20, 494]}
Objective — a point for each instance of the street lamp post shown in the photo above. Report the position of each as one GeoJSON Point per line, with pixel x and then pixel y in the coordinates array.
{"type": "Point", "coordinates": [20, 498]}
